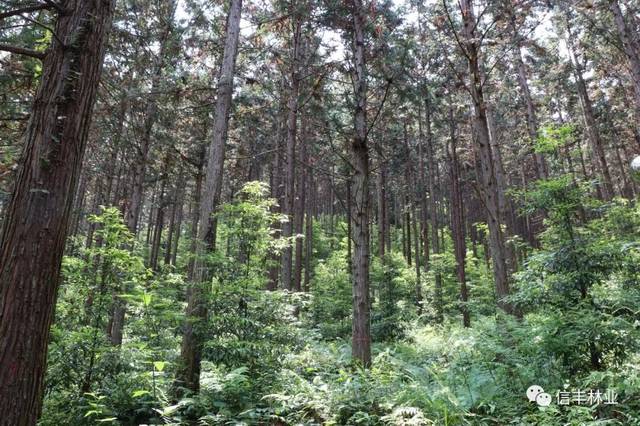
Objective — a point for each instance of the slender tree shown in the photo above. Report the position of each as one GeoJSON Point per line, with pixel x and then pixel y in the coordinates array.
{"type": "Point", "coordinates": [191, 352]}
{"type": "Point", "coordinates": [361, 334]}
{"type": "Point", "coordinates": [471, 47]}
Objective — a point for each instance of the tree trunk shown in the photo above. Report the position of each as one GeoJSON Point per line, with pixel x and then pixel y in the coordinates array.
{"type": "Point", "coordinates": [159, 223]}
{"type": "Point", "coordinates": [433, 210]}
{"type": "Point", "coordinates": [361, 335]}
{"type": "Point", "coordinates": [457, 221]}
{"type": "Point", "coordinates": [195, 217]}
{"type": "Point", "coordinates": [189, 373]}
{"type": "Point", "coordinates": [298, 216]}
{"type": "Point", "coordinates": [37, 217]}
{"type": "Point", "coordinates": [490, 191]}
{"type": "Point", "coordinates": [412, 220]}
{"type": "Point", "coordinates": [292, 127]}
{"type": "Point", "coordinates": [150, 117]}
{"type": "Point", "coordinates": [422, 189]}
{"type": "Point", "coordinates": [589, 119]}
{"type": "Point", "coordinates": [523, 83]}
{"type": "Point", "coordinates": [308, 240]}
{"type": "Point", "coordinates": [382, 209]}
{"type": "Point", "coordinates": [134, 204]}
{"type": "Point", "coordinates": [632, 50]}
{"type": "Point", "coordinates": [275, 258]}
{"type": "Point", "coordinates": [176, 227]}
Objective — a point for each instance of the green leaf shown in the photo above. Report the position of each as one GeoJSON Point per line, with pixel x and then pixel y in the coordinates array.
{"type": "Point", "coordinates": [146, 299]}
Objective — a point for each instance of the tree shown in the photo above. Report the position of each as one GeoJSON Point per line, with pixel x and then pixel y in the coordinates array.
{"type": "Point", "coordinates": [361, 334]}
{"type": "Point", "coordinates": [471, 46]}
{"type": "Point", "coordinates": [457, 218]}
{"type": "Point", "coordinates": [631, 46]}
{"type": "Point", "coordinates": [38, 215]}
{"type": "Point", "coordinates": [191, 351]}
{"type": "Point", "coordinates": [590, 122]}
{"type": "Point", "coordinates": [292, 132]}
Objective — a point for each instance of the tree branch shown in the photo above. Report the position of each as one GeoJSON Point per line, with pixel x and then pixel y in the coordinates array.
{"type": "Point", "coordinates": [384, 99]}
{"type": "Point", "coordinates": [26, 9]}
{"type": "Point", "coordinates": [22, 51]}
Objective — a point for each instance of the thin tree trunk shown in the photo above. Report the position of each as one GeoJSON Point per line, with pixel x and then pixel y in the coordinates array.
{"type": "Point", "coordinates": [589, 119]}
{"type": "Point", "coordinates": [523, 83]}
{"type": "Point", "coordinates": [382, 210]}
{"type": "Point", "coordinates": [298, 216]}
{"type": "Point", "coordinates": [136, 201]}
{"type": "Point", "coordinates": [276, 193]}
{"type": "Point", "coordinates": [349, 214]}
{"type": "Point", "coordinates": [433, 210]}
{"type": "Point", "coordinates": [631, 47]}
{"type": "Point", "coordinates": [195, 218]}
{"type": "Point", "coordinates": [292, 127]}
{"type": "Point", "coordinates": [150, 117]}
{"type": "Point", "coordinates": [172, 248]}
{"type": "Point", "coordinates": [487, 168]}
{"type": "Point", "coordinates": [309, 230]}
{"type": "Point", "coordinates": [422, 189]}
{"type": "Point", "coordinates": [457, 221]}
{"type": "Point", "coordinates": [159, 223]}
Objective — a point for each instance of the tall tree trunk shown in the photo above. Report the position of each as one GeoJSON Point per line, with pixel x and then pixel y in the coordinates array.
{"type": "Point", "coordinates": [276, 193]}
{"type": "Point", "coordinates": [382, 209]}
{"type": "Point", "coordinates": [418, 266]}
{"type": "Point", "coordinates": [37, 217]}
{"type": "Point", "coordinates": [422, 190]}
{"type": "Point", "coordinates": [523, 83]}
{"type": "Point", "coordinates": [457, 221]}
{"type": "Point", "coordinates": [412, 220]}
{"type": "Point", "coordinates": [134, 205]}
{"type": "Point", "coordinates": [589, 119]}
{"type": "Point", "coordinates": [532, 119]}
{"type": "Point", "coordinates": [298, 216]}
{"type": "Point", "coordinates": [176, 222]}
{"type": "Point", "coordinates": [631, 47]}
{"type": "Point", "coordinates": [132, 215]}
{"type": "Point", "coordinates": [433, 209]}
{"type": "Point", "coordinates": [490, 191]}
{"type": "Point", "coordinates": [361, 334]}
{"type": "Point", "coordinates": [159, 223]}
{"type": "Point", "coordinates": [195, 217]}
{"type": "Point", "coordinates": [191, 351]}
{"type": "Point", "coordinates": [308, 240]}
{"type": "Point", "coordinates": [349, 214]}
{"type": "Point", "coordinates": [292, 127]}
{"type": "Point", "coordinates": [175, 194]}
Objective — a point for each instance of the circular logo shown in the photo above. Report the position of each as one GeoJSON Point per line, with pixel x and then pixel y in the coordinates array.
{"type": "Point", "coordinates": [533, 392]}
{"type": "Point", "coordinates": [543, 399]}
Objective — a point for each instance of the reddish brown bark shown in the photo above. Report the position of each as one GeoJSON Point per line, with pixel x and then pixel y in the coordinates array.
{"type": "Point", "coordinates": [38, 215]}
{"type": "Point", "coordinates": [361, 334]}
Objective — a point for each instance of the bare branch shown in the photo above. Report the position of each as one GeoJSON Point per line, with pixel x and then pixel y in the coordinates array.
{"type": "Point", "coordinates": [384, 99]}
{"type": "Point", "coordinates": [453, 29]}
{"type": "Point", "coordinates": [22, 51]}
{"type": "Point", "coordinates": [27, 9]}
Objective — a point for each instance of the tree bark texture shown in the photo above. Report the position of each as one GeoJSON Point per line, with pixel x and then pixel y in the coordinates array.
{"type": "Point", "coordinates": [37, 217]}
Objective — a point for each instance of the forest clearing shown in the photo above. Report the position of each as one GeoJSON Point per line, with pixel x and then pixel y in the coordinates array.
{"type": "Point", "coordinates": [319, 212]}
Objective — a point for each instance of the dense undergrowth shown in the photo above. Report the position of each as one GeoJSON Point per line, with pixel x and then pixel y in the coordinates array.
{"type": "Point", "coordinates": [276, 358]}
